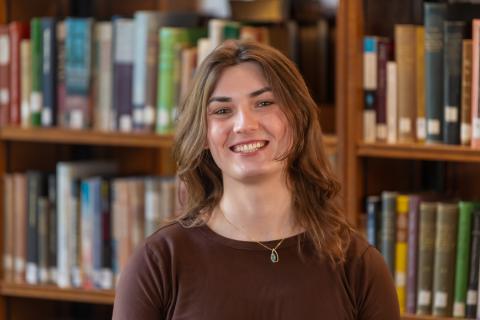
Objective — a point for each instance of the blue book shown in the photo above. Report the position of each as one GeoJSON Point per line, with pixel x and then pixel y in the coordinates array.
{"type": "Point", "coordinates": [49, 73]}
{"type": "Point", "coordinates": [373, 220]}
{"type": "Point", "coordinates": [78, 60]}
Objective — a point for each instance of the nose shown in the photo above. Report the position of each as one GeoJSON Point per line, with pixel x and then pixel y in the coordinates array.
{"type": "Point", "coordinates": [245, 121]}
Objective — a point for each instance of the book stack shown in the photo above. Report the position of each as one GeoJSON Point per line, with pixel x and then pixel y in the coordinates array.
{"type": "Point", "coordinates": [432, 248]}
{"type": "Point", "coordinates": [78, 226]}
{"type": "Point", "coordinates": [429, 92]}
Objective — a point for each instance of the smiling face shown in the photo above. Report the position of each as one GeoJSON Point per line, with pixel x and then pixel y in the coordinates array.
{"type": "Point", "coordinates": [247, 131]}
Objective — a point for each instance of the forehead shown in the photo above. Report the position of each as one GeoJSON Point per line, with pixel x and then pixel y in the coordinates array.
{"type": "Point", "coordinates": [245, 77]}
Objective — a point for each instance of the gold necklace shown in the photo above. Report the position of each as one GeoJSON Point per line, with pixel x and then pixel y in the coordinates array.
{"type": "Point", "coordinates": [274, 257]}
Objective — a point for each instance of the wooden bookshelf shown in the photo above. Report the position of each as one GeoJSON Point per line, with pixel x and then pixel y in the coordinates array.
{"type": "Point", "coordinates": [419, 152]}
{"type": "Point", "coordinates": [55, 293]}
{"type": "Point", "coordinates": [86, 137]}
{"type": "Point", "coordinates": [415, 317]}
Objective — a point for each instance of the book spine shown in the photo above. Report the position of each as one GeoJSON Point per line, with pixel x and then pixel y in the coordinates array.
{"type": "Point", "coordinates": [87, 225]}
{"type": "Point", "coordinates": [78, 56]}
{"type": "Point", "coordinates": [42, 208]}
{"type": "Point", "coordinates": [462, 258]}
{"type": "Point", "coordinates": [123, 73]}
{"type": "Point", "coordinates": [373, 220]}
{"type": "Point", "coordinates": [20, 196]}
{"type": "Point", "coordinates": [412, 254]}
{"type": "Point", "coordinates": [26, 82]}
{"type": "Point", "coordinates": [52, 228]}
{"type": "Point", "coordinates": [5, 61]}
{"type": "Point", "coordinates": [392, 108]}
{"type": "Point", "coordinates": [171, 40]}
{"type": "Point", "coordinates": [401, 248]}
{"type": "Point", "coordinates": [8, 230]}
{"type": "Point", "coordinates": [18, 32]}
{"type": "Point", "coordinates": [384, 48]}
{"type": "Point", "coordinates": [475, 83]}
{"type": "Point", "coordinates": [426, 245]}
{"type": "Point", "coordinates": [105, 277]}
{"type": "Point", "coordinates": [74, 232]}
{"type": "Point", "coordinates": [453, 31]}
{"type": "Point", "coordinates": [63, 204]}
{"type": "Point", "coordinates": [420, 84]}
{"type": "Point", "coordinates": [60, 63]}
{"type": "Point", "coordinates": [466, 99]}
{"type": "Point", "coordinates": [405, 52]}
{"type": "Point", "coordinates": [34, 182]}
{"type": "Point", "coordinates": [388, 229]}
{"type": "Point", "coordinates": [36, 99]}
{"type": "Point", "coordinates": [473, 274]}
{"type": "Point", "coordinates": [444, 269]}
{"type": "Point", "coordinates": [102, 82]}
{"type": "Point", "coordinates": [370, 54]}
{"type": "Point", "coordinates": [433, 23]}
{"type": "Point", "coordinates": [49, 85]}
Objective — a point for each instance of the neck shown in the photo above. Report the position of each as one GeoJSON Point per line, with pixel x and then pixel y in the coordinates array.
{"type": "Point", "coordinates": [257, 211]}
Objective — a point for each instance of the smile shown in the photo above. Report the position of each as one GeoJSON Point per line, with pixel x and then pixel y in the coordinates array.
{"type": "Point", "coordinates": [249, 147]}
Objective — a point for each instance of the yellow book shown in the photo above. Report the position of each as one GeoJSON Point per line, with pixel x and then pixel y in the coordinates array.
{"type": "Point", "coordinates": [401, 249]}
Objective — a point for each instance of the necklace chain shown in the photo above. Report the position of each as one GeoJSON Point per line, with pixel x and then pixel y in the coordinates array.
{"type": "Point", "coordinates": [274, 257]}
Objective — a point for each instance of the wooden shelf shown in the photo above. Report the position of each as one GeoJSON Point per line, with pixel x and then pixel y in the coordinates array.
{"type": "Point", "coordinates": [415, 317]}
{"type": "Point", "coordinates": [86, 137]}
{"type": "Point", "coordinates": [55, 293]}
{"type": "Point", "coordinates": [330, 142]}
{"type": "Point", "coordinates": [419, 152]}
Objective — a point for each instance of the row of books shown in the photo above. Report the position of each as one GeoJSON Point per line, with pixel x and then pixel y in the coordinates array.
{"type": "Point", "coordinates": [432, 249]}
{"type": "Point", "coordinates": [78, 227]}
{"type": "Point", "coordinates": [423, 85]}
{"type": "Point", "coordinates": [127, 74]}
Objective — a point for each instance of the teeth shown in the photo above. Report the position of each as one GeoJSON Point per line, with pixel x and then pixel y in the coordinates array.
{"type": "Point", "coordinates": [249, 147]}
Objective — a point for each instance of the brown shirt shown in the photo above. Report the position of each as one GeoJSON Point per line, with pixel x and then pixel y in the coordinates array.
{"type": "Point", "coordinates": [194, 273]}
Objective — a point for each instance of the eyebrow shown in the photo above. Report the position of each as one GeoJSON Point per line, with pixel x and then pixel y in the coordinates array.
{"type": "Point", "coordinates": [251, 95]}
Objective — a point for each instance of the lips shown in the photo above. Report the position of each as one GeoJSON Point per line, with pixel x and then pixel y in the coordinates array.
{"type": "Point", "coordinates": [249, 147]}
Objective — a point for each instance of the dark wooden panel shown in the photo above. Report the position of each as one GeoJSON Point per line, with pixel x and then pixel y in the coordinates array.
{"type": "Point", "coordinates": [24, 10]}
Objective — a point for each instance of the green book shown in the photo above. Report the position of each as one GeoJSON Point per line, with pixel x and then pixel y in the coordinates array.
{"type": "Point", "coordinates": [444, 268]}
{"type": "Point", "coordinates": [426, 245]}
{"type": "Point", "coordinates": [171, 40]}
{"type": "Point", "coordinates": [463, 257]}
{"type": "Point", "coordinates": [36, 100]}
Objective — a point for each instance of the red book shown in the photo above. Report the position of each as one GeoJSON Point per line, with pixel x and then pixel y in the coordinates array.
{"type": "Point", "coordinates": [18, 32]}
{"type": "Point", "coordinates": [4, 74]}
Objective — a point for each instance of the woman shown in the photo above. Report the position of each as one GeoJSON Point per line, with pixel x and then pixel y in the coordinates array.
{"type": "Point", "coordinates": [260, 236]}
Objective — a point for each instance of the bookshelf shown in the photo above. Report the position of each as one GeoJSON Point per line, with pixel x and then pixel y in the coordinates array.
{"type": "Point", "coordinates": [368, 168]}
{"type": "Point", "coordinates": [23, 149]}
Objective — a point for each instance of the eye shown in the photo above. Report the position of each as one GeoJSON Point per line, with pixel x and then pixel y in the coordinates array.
{"type": "Point", "coordinates": [221, 111]}
{"type": "Point", "coordinates": [265, 103]}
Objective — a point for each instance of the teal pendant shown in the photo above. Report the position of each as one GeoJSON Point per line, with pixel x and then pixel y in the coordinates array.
{"type": "Point", "coordinates": [274, 256]}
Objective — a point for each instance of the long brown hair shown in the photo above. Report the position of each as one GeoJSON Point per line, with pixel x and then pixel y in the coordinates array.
{"type": "Point", "coordinates": [312, 182]}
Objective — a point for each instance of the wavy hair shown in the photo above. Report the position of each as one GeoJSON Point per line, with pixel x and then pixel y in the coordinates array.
{"type": "Point", "coordinates": [313, 185]}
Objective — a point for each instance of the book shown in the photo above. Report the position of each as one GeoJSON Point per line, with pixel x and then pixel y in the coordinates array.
{"type": "Point", "coordinates": [475, 140]}
{"type": "Point", "coordinates": [26, 82]}
{"type": "Point", "coordinates": [388, 229]}
{"type": "Point", "coordinates": [5, 61]}
{"type": "Point", "coordinates": [370, 54]}
{"type": "Point", "coordinates": [466, 95]}
{"type": "Point", "coordinates": [384, 54]}
{"type": "Point", "coordinates": [426, 246]}
{"type": "Point", "coordinates": [18, 32]}
{"type": "Point", "coordinates": [453, 35]}
{"type": "Point", "coordinates": [36, 98]}
{"type": "Point", "coordinates": [405, 53]}
{"type": "Point", "coordinates": [474, 265]}
{"type": "Point", "coordinates": [373, 220]}
{"type": "Point", "coordinates": [61, 34]}
{"type": "Point", "coordinates": [462, 257]}
{"type": "Point", "coordinates": [392, 107]}
{"type": "Point", "coordinates": [420, 84]}
{"type": "Point", "coordinates": [20, 226]}
{"type": "Point", "coordinates": [8, 230]}
{"type": "Point", "coordinates": [78, 72]}
{"type": "Point", "coordinates": [433, 22]}
{"type": "Point", "coordinates": [444, 268]}
{"type": "Point", "coordinates": [123, 73]}
{"type": "Point", "coordinates": [102, 77]}
{"type": "Point", "coordinates": [401, 249]}
{"type": "Point", "coordinates": [412, 253]}
{"type": "Point", "coordinates": [49, 72]}
{"type": "Point", "coordinates": [52, 229]}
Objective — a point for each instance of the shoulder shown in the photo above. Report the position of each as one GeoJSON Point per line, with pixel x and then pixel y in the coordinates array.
{"type": "Point", "coordinates": [370, 281]}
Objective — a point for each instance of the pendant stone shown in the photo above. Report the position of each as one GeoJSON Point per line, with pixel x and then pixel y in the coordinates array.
{"type": "Point", "coordinates": [274, 256]}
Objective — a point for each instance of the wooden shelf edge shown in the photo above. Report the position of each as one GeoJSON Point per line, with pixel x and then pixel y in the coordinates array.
{"type": "Point", "coordinates": [55, 293]}
{"type": "Point", "coordinates": [419, 152]}
{"type": "Point", "coordinates": [415, 317]}
{"type": "Point", "coordinates": [86, 137]}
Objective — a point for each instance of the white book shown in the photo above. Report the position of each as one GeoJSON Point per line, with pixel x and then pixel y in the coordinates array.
{"type": "Point", "coordinates": [25, 82]}
{"type": "Point", "coordinates": [392, 111]}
